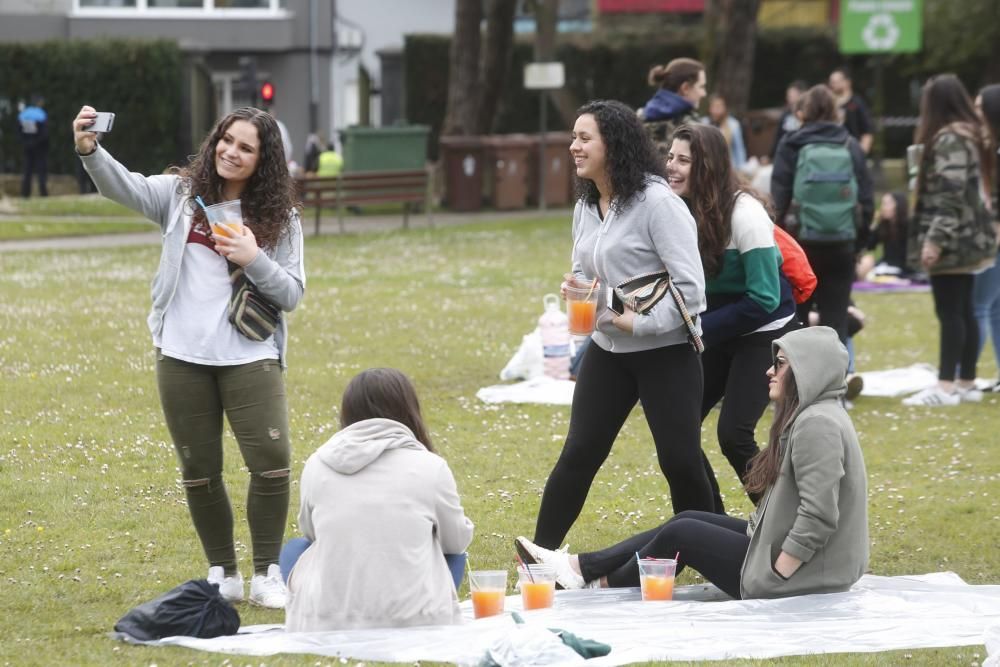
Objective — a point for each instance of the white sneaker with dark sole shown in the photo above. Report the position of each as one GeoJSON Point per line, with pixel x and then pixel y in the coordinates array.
{"type": "Point", "coordinates": [230, 588]}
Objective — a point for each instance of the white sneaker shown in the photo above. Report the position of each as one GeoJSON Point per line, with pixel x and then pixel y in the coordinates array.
{"type": "Point", "coordinates": [969, 394]}
{"type": "Point", "coordinates": [566, 577]}
{"type": "Point", "coordinates": [230, 588]}
{"type": "Point", "coordinates": [933, 396]}
{"type": "Point", "coordinates": [268, 590]}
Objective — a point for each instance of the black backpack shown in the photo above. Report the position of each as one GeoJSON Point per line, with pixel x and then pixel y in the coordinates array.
{"type": "Point", "coordinates": [193, 609]}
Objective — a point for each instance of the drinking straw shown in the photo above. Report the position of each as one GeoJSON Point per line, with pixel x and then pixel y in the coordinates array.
{"type": "Point", "coordinates": [526, 568]}
{"type": "Point", "coordinates": [200, 201]}
{"type": "Point", "coordinates": [637, 559]}
{"type": "Point", "coordinates": [587, 298]}
{"type": "Point", "coordinates": [677, 558]}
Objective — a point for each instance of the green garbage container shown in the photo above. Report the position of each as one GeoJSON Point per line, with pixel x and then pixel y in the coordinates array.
{"type": "Point", "coordinates": [385, 148]}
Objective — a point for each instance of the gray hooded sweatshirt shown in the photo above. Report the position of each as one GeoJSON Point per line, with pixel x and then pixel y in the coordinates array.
{"type": "Point", "coordinates": [381, 511]}
{"type": "Point", "coordinates": [817, 510]}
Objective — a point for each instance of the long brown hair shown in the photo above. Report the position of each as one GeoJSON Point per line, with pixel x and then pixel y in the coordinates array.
{"type": "Point", "coordinates": [945, 101]}
{"type": "Point", "coordinates": [269, 196]}
{"type": "Point", "coordinates": [384, 393]}
{"type": "Point", "coordinates": [675, 74]}
{"type": "Point", "coordinates": [712, 188]}
{"type": "Point", "coordinates": [766, 465]}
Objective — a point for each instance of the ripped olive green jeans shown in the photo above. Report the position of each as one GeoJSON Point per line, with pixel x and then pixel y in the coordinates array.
{"type": "Point", "coordinates": [252, 397]}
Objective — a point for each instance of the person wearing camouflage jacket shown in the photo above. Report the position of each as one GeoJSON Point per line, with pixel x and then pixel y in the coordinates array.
{"type": "Point", "coordinates": [953, 210]}
{"type": "Point", "coordinates": [952, 235]}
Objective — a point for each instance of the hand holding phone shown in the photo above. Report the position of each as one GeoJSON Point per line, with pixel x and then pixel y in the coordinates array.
{"type": "Point", "coordinates": [103, 123]}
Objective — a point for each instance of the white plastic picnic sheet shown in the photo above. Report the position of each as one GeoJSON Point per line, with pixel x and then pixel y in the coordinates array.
{"type": "Point", "coordinates": [541, 389]}
{"type": "Point", "coordinates": [878, 614]}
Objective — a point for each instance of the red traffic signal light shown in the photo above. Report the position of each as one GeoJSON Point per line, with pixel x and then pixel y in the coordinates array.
{"type": "Point", "coordinates": [267, 91]}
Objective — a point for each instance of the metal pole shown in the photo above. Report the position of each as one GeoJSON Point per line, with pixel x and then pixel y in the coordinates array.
{"type": "Point", "coordinates": [313, 66]}
{"type": "Point", "coordinates": [542, 162]}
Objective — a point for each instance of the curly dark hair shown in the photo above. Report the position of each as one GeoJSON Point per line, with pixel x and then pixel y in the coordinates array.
{"type": "Point", "coordinates": [270, 192]}
{"type": "Point", "coordinates": [712, 188]}
{"type": "Point", "coordinates": [630, 155]}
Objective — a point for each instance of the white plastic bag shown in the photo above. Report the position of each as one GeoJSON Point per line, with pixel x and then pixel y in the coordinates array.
{"type": "Point", "coordinates": [529, 360]}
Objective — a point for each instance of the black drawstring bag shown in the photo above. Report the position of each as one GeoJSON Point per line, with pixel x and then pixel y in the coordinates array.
{"type": "Point", "coordinates": [193, 609]}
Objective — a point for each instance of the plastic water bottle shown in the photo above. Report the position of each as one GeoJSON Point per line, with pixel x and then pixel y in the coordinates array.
{"type": "Point", "coordinates": [554, 327]}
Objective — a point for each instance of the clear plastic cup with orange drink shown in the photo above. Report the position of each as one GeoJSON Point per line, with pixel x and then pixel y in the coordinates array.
{"type": "Point", "coordinates": [538, 585]}
{"type": "Point", "coordinates": [225, 219]}
{"type": "Point", "coordinates": [581, 304]}
{"type": "Point", "coordinates": [656, 577]}
{"type": "Point", "coordinates": [488, 588]}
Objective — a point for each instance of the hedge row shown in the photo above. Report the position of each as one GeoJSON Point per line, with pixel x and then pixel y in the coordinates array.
{"type": "Point", "coordinates": [617, 70]}
{"type": "Point", "coordinates": [141, 82]}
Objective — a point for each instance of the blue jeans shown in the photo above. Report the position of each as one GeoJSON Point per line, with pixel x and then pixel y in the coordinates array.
{"type": "Point", "coordinates": [986, 306]}
{"type": "Point", "coordinates": [295, 547]}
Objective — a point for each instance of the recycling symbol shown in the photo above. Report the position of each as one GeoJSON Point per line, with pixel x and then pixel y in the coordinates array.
{"type": "Point", "coordinates": [881, 33]}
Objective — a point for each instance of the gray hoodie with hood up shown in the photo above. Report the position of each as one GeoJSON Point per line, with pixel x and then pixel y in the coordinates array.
{"type": "Point", "coordinates": [817, 510]}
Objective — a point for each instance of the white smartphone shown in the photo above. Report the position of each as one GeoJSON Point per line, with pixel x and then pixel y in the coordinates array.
{"type": "Point", "coordinates": [103, 123]}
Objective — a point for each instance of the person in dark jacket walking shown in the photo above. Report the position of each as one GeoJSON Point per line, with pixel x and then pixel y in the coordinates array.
{"type": "Point", "coordinates": [833, 261]}
{"type": "Point", "coordinates": [33, 128]}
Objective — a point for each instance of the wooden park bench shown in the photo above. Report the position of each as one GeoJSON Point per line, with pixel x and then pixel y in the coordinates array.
{"type": "Point", "coordinates": [410, 187]}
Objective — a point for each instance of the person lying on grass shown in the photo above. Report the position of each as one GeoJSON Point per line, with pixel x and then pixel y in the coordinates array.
{"type": "Point", "coordinates": [809, 534]}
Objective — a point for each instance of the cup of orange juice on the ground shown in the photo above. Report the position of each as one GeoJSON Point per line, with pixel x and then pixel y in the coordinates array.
{"type": "Point", "coordinates": [656, 577]}
{"type": "Point", "coordinates": [489, 588]}
{"type": "Point", "coordinates": [225, 219]}
{"type": "Point", "coordinates": [538, 585]}
{"type": "Point", "coordinates": [581, 304]}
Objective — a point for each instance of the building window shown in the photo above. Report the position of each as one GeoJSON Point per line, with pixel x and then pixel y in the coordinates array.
{"type": "Point", "coordinates": [181, 5]}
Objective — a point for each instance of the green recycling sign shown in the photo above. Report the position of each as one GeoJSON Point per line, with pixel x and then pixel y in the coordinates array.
{"type": "Point", "coordinates": [881, 26]}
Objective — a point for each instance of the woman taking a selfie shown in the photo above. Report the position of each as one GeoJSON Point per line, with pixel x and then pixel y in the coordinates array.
{"type": "Point", "coordinates": [627, 223]}
{"type": "Point", "coordinates": [810, 532]}
{"type": "Point", "coordinates": [207, 367]}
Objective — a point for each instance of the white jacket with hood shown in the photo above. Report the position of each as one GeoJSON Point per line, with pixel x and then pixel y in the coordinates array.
{"type": "Point", "coordinates": [381, 511]}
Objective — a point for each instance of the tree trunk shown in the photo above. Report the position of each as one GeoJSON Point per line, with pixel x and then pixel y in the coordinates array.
{"type": "Point", "coordinates": [735, 52]}
{"type": "Point", "coordinates": [498, 51]}
{"type": "Point", "coordinates": [546, 17]}
{"type": "Point", "coordinates": [462, 116]}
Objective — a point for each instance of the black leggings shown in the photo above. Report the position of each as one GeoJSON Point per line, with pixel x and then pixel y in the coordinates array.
{"type": "Point", "coordinates": [735, 373]}
{"type": "Point", "coordinates": [959, 330]}
{"type": "Point", "coordinates": [668, 381]}
{"type": "Point", "coordinates": [713, 544]}
{"type": "Point", "coordinates": [834, 266]}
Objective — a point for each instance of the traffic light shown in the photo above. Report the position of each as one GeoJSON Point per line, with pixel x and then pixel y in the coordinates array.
{"type": "Point", "coordinates": [267, 92]}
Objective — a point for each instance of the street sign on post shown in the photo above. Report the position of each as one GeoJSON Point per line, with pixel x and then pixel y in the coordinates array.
{"type": "Point", "coordinates": [881, 26]}
{"type": "Point", "coordinates": [543, 77]}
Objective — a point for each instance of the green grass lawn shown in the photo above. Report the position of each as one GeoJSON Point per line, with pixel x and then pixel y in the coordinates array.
{"type": "Point", "coordinates": [37, 228]}
{"type": "Point", "coordinates": [70, 205]}
{"type": "Point", "coordinates": [94, 522]}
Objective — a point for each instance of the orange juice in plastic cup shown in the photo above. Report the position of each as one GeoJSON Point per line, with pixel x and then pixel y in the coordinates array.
{"type": "Point", "coordinates": [538, 586]}
{"type": "Point", "coordinates": [489, 588]}
{"type": "Point", "coordinates": [581, 301]}
{"type": "Point", "coordinates": [656, 577]}
{"type": "Point", "coordinates": [225, 219]}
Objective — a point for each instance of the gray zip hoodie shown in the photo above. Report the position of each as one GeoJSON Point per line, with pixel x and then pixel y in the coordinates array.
{"type": "Point", "coordinates": [655, 231]}
{"type": "Point", "coordinates": [279, 274]}
{"type": "Point", "coordinates": [817, 510]}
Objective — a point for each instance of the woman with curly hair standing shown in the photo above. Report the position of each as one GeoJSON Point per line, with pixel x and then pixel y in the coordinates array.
{"type": "Point", "coordinates": [628, 223]}
{"type": "Point", "coordinates": [205, 367]}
